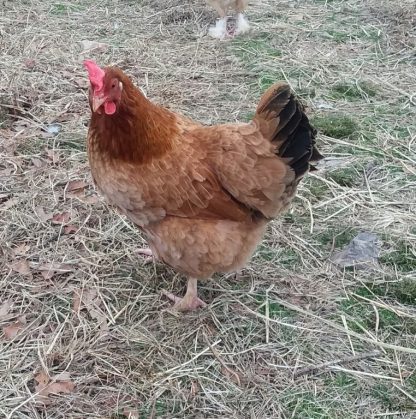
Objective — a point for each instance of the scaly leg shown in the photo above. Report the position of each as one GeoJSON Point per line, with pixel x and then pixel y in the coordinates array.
{"type": "Point", "coordinates": [190, 300]}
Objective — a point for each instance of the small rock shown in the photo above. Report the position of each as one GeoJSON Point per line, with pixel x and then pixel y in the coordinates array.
{"type": "Point", "coordinates": [54, 129]}
{"type": "Point", "coordinates": [362, 252]}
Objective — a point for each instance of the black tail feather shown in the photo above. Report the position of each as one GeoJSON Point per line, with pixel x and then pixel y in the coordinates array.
{"type": "Point", "coordinates": [294, 136]}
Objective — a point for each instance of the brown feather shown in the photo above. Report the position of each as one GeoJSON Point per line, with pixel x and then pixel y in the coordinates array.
{"type": "Point", "coordinates": [202, 195]}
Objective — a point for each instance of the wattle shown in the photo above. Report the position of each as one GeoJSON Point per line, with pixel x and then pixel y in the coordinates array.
{"type": "Point", "coordinates": [109, 108]}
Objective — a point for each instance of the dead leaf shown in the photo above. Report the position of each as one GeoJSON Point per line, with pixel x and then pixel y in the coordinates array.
{"type": "Point", "coordinates": [46, 386]}
{"type": "Point", "coordinates": [194, 389]}
{"type": "Point", "coordinates": [38, 163]}
{"type": "Point", "coordinates": [42, 214]}
{"type": "Point", "coordinates": [90, 199]}
{"type": "Point", "coordinates": [82, 82]}
{"type": "Point", "coordinates": [53, 156]}
{"type": "Point", "coordinates": [61, 218]}
{"type": "Point", "coordinates": [91, 301]}
{"type": "Point", "coordinates": [76, 302]}
{"type": "Point", "coordinates": [9, 203]}
{"type": "Point", "coordinates": [5, 172]}
{"type": "Point", "coordinates": [70, 229]}
{"type": "Point", "coordinates": [29, 63]}
{"type": "Point", "coordinates": [48, 270]}
{"type": "Point", "coordinates": [88, 46]}
{"type": "Point", "coordinates": [5, 308]}
{"type": "Point", "coordinates": [21, 249]}
{"type": "Point", "coordinates": [22, 267]}
{"type": "Point", "coordinates": [232, 375]}
{"type": "Point", "coordinates": [13, 329]}
{"type": "Point", "coordinates": [75, 185]}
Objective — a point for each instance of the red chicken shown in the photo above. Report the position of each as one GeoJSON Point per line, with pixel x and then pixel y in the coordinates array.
{"type": "Point", "coordinates": [202, 195]}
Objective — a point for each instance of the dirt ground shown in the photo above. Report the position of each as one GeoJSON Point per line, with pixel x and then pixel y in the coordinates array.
{"type": "Point", "coordinates": [84, 330]}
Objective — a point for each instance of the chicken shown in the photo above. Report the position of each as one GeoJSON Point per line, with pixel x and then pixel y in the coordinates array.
{"type": "Point", "coordinates": [202, 195]}
{"type": "Point", "coordinates": [220, 30]}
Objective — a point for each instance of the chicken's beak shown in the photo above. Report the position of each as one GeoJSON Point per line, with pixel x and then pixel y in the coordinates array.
{"type": "Point", "coordinates": [97, 101]}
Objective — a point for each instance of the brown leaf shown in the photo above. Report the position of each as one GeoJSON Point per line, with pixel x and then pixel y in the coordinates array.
{"type": "Point", "coordinates": [61, 218]}
{"type": "Point", "coordinates": [76, 302]}
{"type": "Point", "coordinates": [5, 172]}
{"type": "Point", "coordinates": [22, 267]}
{"type": "Point", "coordinates": [91, 301]}
{"type": "Point", "coordinates": [90, 199]}
{"type": "Point", "coordinates": [75, 185]}
{"type": "Point", "coordinates": [38, 163]}
{"type": "Point", "coordinates": [5, 308]}
{"type": "Point", "coordinates": [29, 63]}
{"type": "Point", "coordinates": [70, 229]}
{"type": "Point", "coordinates": [42, 378]}
{"type": "Point", "coordinates": [232, 375]}
{"type": "Point", "coordinates": [81, 82]}
{"type": "Point", "coordinates": [88, 46]}
{"type": "Point", "coordinates": [48, 270]}
{"type": "Point", "coordinates": [46, 386]}
{"type": "Point", "coordinates": [21, 249]}
{"type": "Point", "coordinates": [13, 329]}
{"type": "Point", "coordinates": [194, 389]}
{"type": "Point", "coordinates": [9, 203]}
{"type": "Point", "coordinates": [53, 156]}
{"type": "Point", "coordinates": [42, 214]}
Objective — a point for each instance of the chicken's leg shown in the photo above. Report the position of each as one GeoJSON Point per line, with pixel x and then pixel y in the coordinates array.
{"type": "Point", "coordinates": [190, 300]}
{"type": "Point", "coordinates": [219, 31]}
{"type": "Point", "coordinates": [242, 25]}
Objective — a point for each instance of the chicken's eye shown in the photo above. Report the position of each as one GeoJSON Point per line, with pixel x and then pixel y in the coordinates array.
{"type": "Point", "coordinates": [113, 86]}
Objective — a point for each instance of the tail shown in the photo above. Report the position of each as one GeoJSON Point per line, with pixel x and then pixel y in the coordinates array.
{"type": "Point", "coordinates": [282, 119]}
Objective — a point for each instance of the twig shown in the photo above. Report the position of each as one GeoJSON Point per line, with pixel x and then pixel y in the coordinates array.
{"type": "Point", "coordinates": [347, 360]}
{"type": "Point", "coordinates": [219, 359]}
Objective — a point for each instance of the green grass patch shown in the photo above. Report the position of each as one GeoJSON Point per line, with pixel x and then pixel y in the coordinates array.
{"type": "Point", "coordinates": [284, 256]}
{"type": "Point", "coordinates": [405, 291]}
{"type": "Point", "coordinates": [402, 257]}
{"type": "Point", "coordinates": [362, 313]}
{"type": "Point", "coordinates": [276, 310]}
{"type": "Point", "coordinates": [247, 49]}
{"type": "Point", "coordinates": [317, 188]}
{"type": "Point", "coordinates": [336, 125]}
{"type": "Point", "coordinates": [351, 92]}
{"type": "Point", "coordinates": [336, 237]}
{"type": "Point", "coordinates": [61, 8]}
{"type": "Point", "coordinates": [347, 176]}
{"type": "Point", "coordinates": [310, 406]}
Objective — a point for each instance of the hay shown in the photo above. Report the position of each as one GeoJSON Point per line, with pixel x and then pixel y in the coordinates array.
{"type": "Point", "coordinates": [95, 312]}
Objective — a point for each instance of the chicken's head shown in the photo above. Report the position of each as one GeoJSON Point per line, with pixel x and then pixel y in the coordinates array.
{"type": "Point", "coordinates": [106, 89]}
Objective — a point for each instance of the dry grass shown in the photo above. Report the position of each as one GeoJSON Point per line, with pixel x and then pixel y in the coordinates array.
{"type": "Point", "coordinates": [103, 322]}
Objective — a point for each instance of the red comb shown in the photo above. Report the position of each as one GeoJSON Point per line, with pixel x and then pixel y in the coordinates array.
{"type": "Point", "coordinates": [95, 73]}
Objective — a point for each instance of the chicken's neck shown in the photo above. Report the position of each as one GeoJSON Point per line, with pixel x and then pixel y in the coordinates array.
{"type": "Point", "coordinates": [138, 132]}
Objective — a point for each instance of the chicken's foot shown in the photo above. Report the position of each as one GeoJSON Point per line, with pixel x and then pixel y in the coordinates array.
{"type": "Point", "coordinates": [190, 300]}
{"type": "Point", "coordinates": [146, 253]}
{"type": "Point", "coordinates": [219, 31]}
{"type": "Point", "coordinates": [242, 25]}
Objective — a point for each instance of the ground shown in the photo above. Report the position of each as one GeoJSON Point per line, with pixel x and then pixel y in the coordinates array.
{"type": "Point", "coordinates": [82, 316]}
